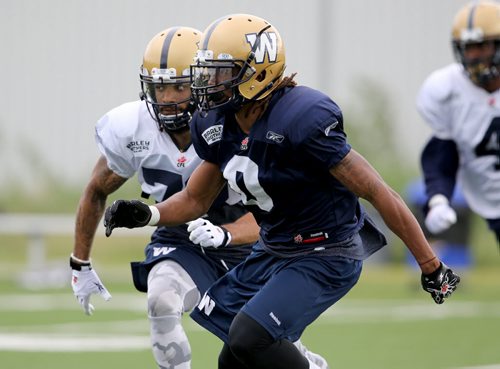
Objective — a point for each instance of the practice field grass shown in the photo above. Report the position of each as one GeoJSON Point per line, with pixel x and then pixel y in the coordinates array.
{"type": "Point", "coordinates": [386, 322]}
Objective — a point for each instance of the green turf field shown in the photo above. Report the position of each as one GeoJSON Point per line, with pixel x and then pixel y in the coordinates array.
{"type": "Point", "coordinates": [386, 322]}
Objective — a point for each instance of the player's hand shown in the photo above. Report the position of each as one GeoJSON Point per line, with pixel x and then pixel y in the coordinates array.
{"type": "Point", "coordinates": [86, 282]}
{"type": "Point", "coordinates": [125, 213]}
{"type": "Point", "coordinates": [205, 234]}
{"type": "Point", "coordinates": [440, 283]}
{"type": "Point", "coordinates": [441, 215]}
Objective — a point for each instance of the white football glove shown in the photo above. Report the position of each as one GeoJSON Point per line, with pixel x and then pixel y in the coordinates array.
{"type": "Point", "coordinates": [86, 282]}
{"type": "Point", "coordinates": [441, 215]}
{"type": "Point", "coordinates": [205, 234]}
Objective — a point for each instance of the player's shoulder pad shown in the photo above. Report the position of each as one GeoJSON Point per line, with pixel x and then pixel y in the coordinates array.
{"type": "Point", "coordinates": [126, 119]}
{"type": "Point", "coordinates": [301, 109]}
{"type": "Point", "coordinates": [440, 84]}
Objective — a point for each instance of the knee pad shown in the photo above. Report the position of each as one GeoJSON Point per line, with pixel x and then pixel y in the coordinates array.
{"type": "Point", "coordinates": [247, 337]}
{"type": "Point", "coordinates": [171, 291]}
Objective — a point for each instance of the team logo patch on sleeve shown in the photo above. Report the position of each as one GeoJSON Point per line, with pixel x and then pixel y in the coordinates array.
{"type": "Point", "coordinates": [212, 134]}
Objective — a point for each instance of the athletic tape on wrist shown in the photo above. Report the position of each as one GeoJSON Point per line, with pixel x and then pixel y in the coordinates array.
{"type": "Point", "coordinates": [155, 216]}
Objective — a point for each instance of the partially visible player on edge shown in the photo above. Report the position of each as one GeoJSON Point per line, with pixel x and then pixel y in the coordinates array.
{"type": "Point", "coordinates": [284, 149]}
{"type": "Point", "coordinates": [152, 138]}
{"type": "Point", "coordinates": [461, 103]}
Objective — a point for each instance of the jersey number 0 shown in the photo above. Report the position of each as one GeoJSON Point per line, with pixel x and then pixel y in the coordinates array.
{"type": "Point", "coordinates": [242, 175]}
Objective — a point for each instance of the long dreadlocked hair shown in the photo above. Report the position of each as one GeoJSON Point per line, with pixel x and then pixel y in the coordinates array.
{"type": "Point", "coordinates": [262, 104]}
{"type": "Point", "coordinates": [287, 82]}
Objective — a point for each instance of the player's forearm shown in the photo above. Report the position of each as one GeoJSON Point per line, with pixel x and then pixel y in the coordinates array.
{"type": "Point", "coordinates": [362, 179]}
{"type": "Point", "coordinates": [91, 207]}
{"type": "Point", "coordinates": [192, 202]}
{"type": "Point", "coordinates": [180, 208]}
{"type": "Point", "coordinates": [402, 222]}
{"type": "Point", "coordinates": [244, 230]}
{"type": "Point", "coordinates": [88, 216]}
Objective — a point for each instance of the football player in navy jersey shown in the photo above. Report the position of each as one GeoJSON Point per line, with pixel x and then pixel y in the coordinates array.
{"type": "Point", "coordinates": [461, 103]}
{"type": "Point", "coordinates": [284, 149]}
{"type": "Point", "coordinates": [151, 137]}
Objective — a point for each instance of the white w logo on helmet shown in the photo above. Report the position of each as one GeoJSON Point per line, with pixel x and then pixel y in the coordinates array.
{"type": "Point", "coordinates": [268, 45]}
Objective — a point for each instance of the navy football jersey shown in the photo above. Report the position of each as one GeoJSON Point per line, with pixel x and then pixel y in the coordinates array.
{"type": "Point", "coordinates": [281, 168]}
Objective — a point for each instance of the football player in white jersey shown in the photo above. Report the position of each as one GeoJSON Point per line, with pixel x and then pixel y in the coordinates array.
{"type": "Point", "coordinates": [461, 103]}
{"type": "Point", "coordinates": [151, 137]}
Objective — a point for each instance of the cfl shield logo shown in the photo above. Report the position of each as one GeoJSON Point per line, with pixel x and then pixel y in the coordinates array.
{"type": "Point", "coordinates": [268, 44]}
{"type": "Point", "coordinates": [206, 304]}
{"type": "Point", "coordinates": [181, 162]}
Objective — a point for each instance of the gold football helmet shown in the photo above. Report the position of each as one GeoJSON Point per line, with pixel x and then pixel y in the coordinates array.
{"type": "Point", "coordinates": [478, 25]}
{"type": "Point", "coordinates": [166, 62]}
{"type": "Point", "coordinates": [241, 58]}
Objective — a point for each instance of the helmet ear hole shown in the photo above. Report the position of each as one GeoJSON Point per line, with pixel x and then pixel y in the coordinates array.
{"type": "Point", "coordinates": [261, 77]}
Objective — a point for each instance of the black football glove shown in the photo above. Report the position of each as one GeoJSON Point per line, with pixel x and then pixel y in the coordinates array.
{"type": "Point", "coordinates": [441, 283]}
{"type": "Point", "coordinates": [125, 213]}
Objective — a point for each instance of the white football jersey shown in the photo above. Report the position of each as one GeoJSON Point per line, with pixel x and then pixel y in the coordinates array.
{"type": "Point", "coordinates": [130, 140]}
{"type": "Point", "coordinates": [458, 110]}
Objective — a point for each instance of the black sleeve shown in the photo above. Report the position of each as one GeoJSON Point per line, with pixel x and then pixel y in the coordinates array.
{"type": "Point", "coordinates": [439, 162]}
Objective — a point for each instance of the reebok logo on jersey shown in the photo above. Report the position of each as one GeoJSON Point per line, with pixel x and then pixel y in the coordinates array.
{"type": "Point", "coordinates": [330, 127]}
{"type": "Point", "coordinates": [273, 136]}
{"type": "Point", "coordinates": [212, 134]}
{"type": "Point", "coordinates": [138, 146]}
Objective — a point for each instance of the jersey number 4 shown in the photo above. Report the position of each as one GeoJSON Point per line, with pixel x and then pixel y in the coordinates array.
{"type": "Point", "coordinates": [490, 144]}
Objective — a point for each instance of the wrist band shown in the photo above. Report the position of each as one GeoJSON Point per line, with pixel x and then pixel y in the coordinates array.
{"type": "Point", "coordinates": [155, 216]}
{"type": "Point", "coordinates": [227, 237]}
{"type": "Point", "coordinates": [74, 258]}
{"type": "Point", "coordinates": [79, 264]}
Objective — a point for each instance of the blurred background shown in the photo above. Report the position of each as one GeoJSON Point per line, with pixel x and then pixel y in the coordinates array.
{"type": "Point", "coordinates": [67, 62]}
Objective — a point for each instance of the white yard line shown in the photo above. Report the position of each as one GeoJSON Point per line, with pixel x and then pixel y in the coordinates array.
{"type": "Point", "coordinates": [63, 343]}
